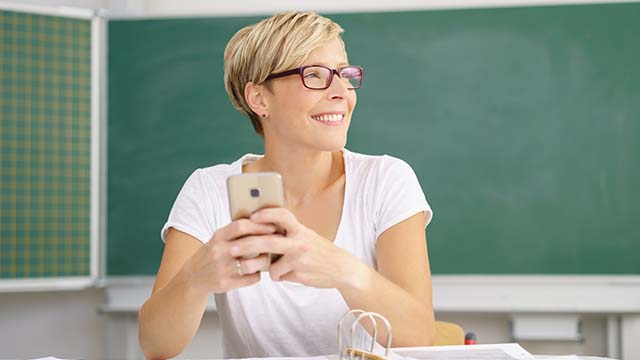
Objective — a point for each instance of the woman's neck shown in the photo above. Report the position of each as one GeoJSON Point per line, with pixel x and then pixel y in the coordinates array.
{"type": "Point", "coordinates": [305, 174]}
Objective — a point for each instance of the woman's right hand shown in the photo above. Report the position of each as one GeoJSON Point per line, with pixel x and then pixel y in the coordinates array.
{"type": "Point", "coordinates": [213, 269]}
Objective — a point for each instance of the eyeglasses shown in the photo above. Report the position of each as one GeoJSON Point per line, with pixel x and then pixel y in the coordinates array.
{"type": "Point", "coordinates": [318, 77]}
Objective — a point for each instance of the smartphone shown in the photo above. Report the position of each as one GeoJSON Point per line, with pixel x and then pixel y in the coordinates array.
{"type": "Point", "coordinates": [250, 192]}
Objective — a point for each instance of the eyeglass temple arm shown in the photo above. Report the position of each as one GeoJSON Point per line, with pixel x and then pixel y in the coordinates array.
{"type": "Point", "coordinates": [284, 73]}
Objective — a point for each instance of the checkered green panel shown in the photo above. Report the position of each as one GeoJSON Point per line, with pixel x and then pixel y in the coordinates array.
{"type": "Point", "coordinates": [45, 136]}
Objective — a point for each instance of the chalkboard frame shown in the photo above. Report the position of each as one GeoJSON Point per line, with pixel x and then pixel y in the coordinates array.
{"type": "Point", "coordinates": [97, 216]}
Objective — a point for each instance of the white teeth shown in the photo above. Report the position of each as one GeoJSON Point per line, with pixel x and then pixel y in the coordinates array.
{"type": "Point", "coordinates": [329, 118]}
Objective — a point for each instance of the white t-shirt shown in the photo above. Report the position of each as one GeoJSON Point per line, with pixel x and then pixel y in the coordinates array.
{"type": "Point", "coordinates": [277, 319]}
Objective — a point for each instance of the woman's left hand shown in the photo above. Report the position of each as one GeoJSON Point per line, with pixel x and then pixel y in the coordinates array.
{"type": "Point", "coordinates": [307, 257]}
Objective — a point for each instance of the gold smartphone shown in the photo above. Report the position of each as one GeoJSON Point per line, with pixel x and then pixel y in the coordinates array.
{"type": "Point", "coordinates": [250, 192]}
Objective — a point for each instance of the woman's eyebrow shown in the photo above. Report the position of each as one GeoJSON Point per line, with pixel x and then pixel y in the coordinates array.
{"type": "Point", "coordinates": [324, 63]}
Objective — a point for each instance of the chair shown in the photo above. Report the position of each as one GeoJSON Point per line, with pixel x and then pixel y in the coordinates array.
{"type": "Point", "coordinates": [448, 334]}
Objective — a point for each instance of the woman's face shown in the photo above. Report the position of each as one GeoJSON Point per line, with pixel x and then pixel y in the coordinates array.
{"type": "Point", "coordinates": [314, 119]}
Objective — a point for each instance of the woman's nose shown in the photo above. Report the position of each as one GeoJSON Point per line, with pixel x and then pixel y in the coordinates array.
{"type": "Point", "coordinates": [338, 87]}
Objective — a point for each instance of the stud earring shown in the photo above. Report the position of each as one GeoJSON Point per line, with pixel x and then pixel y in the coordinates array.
{"type": "Point", "coordinates": [264, 115]}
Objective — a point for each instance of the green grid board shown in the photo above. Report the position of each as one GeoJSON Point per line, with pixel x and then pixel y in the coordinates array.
{"type": "Point", "coordinates": [45, 135]}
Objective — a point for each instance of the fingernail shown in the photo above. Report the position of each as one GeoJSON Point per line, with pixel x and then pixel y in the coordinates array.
{"type": "Point", "coordinates": [235, 251]}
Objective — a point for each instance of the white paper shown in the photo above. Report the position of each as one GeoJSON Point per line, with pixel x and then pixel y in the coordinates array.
{"type": "Point", "coordinates": [466, 352]}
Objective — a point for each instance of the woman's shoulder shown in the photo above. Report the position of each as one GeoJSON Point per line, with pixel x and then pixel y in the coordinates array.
{"type": "Point", "coordinates": [216, 175]}
{"type": "Point", "coordinates": [377, 163]}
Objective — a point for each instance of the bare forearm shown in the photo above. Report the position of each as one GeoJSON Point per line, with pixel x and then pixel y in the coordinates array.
{"type": "Point", "coordinates": [412, 319]}
{"type": "Point", "coordinates": [170, 318]}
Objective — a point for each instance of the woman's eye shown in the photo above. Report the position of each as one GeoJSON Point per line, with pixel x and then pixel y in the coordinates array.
{"type": "Point", "coordinates": [311, 75]}
{"type": "Point", "coordinates": [349, 73]}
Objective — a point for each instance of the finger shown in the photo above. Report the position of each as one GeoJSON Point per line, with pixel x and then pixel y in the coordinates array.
{"type": "Point", "coordinates": [291, 276]}
{"type": "Point", "coordinates": [279, 215]}
{"type": "Point", "coordinates": [244, 227]}
{"type": "Point", "coordinates": [252, 266]}
{"type": "Point", "coordinates": [275, 244]}
{"type": "Point", "coordinates": [281, 267]}
{"type": "Point", "coordinates": [246, 280]}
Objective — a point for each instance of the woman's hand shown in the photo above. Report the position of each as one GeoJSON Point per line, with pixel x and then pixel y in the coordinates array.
{"type": "Point", "coordinates": [308, 258]}
{"type": "Point", "coordinates": [213, 268]}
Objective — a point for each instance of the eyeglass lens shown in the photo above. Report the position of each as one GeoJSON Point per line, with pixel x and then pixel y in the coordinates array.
{"type": "Point", "coordinates": [318, 77]}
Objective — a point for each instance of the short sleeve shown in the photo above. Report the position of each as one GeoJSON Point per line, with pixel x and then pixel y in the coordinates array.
{"type": "Point", "coordinates": [399, 195]}
{"type": "Point", "coordinates": [192, 212]}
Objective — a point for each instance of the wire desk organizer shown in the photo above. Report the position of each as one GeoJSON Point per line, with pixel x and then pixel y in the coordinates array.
{"type": "Point", "coordinates": [361, 352]}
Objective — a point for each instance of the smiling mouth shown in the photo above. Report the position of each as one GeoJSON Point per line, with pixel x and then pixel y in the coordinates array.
{"type": "Point", "coordinates": [329, 118]}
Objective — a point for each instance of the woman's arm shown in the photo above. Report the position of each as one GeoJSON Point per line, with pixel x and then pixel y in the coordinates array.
{"type": "Point", "coordinates": [171, 316]}
{"type": "Point", "coordinates": [189, 272]}
{"type": "Point", "coordinates": [401, 288]}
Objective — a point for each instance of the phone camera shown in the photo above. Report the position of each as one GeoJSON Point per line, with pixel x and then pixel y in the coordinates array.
{"type": "Point", "coordinates": [255, 193]}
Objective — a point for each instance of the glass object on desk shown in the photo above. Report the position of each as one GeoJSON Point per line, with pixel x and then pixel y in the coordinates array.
{"type": "Point", "coordinates": [361, 352]}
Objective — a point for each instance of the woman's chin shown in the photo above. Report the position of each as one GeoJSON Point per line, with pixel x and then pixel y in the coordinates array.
{"type": "Point", "coordinates": [331, 145]}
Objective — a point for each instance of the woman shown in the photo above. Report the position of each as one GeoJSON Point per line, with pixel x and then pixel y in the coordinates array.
{"type": "Point", "coordinates": [354, 223]}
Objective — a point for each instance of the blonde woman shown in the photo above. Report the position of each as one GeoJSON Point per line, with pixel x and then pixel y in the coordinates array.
{"type": "Point", "coordinates": [354, 223]}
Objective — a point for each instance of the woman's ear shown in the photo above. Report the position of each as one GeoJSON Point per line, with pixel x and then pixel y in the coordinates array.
{"type": "Point", "coordinates": [255, 97]}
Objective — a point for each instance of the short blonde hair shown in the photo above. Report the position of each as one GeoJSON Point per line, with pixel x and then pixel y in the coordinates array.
{"type": "Point", "coordinates": [275, 44]}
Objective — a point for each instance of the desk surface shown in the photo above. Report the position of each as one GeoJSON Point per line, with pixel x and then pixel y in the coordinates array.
{"type": "Point", "coordinates": [536, 357]}
{"type": "Point", "coordinates": [512, 351]}
{"type": "Point", "coordinates": [569, 357]}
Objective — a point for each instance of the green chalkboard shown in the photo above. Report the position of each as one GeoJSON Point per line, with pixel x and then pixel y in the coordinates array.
{"type": "Point", "coordinates": [522, 124]}
{"type": "Point", "coordinates": [45, 146]}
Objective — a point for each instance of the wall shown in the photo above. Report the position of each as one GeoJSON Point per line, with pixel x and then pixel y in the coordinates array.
{"type": "Point", "coordinates": [496, 328]}
{"type": "Point", "coordinates": [64, 324]}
